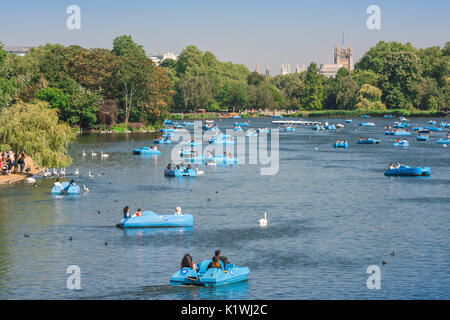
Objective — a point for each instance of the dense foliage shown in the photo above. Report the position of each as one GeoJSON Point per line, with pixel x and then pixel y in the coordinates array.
{"type": "Point", "coordinates": [91, 87]}
{"type": "Point", "coordinates": [36, 130]}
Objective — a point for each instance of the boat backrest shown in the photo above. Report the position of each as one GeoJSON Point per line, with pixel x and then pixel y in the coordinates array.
{"type": "Point", "coordinates": [203, 266]}
{"type": "Point", "coordinates": [148, 213]}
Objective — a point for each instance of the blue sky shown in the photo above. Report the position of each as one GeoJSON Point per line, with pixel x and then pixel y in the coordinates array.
{"type": "Point", "coordinates": [269, 33]}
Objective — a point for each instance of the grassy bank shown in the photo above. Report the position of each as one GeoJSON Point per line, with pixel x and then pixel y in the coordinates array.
{"type": "Point", "coordinates": [358, 113]}
{"type": "Point", "coordinates": [126, 128]}
{"type": "Point", "coordinates": [319, 113]}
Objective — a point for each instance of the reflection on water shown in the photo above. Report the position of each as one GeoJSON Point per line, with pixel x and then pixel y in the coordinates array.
{"type": "Point", "coordinates": [331, 214]}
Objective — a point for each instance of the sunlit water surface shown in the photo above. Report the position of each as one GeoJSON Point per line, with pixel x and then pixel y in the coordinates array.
{"type": "Point", "coordinates": [331, 214]}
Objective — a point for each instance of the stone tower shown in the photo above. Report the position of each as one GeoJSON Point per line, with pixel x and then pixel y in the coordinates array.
{"type": "Point", "coordinates": [344, 57]}
{"type": "Point", "coordinates": [257, 69]}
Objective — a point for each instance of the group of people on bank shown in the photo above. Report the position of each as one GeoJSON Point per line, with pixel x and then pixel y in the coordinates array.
{"type": "Point", "coordinates": [10, 161]}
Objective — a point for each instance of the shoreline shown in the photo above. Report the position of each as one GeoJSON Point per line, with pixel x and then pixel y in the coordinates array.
{"type": "Point", "coordinates": [16, 177]}
{"type": "Point", "coordinates": [312, 114]}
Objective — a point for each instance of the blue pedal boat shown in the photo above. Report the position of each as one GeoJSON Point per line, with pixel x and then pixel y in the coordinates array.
{"type": "Point", "coordinates": [348, 121]}
{"type": "Point", "coordinates": [150, 219]}
{"type": "Point", "coordinates": [443, 141]}
{"type": "Point", "coordinates": [317, 127]}
{"type": "Point", "coordinates": [401, 144]}
{"type": "Point", "coordinates": [73, 189]}
{"type": "Point", "coordinates": [433, 128]}
{"type": "Point", "coordinates": [146, 151]}
{"type": "Point", "coordinates": [263, 130]}
{"type": "Point", "coordinates": [180, 173]}
{"type": "Point", "coordinates": [330, 127]}
{"type": "Point", "coordinates": [422, 137]}
{"type": "Point", "coordinates": [213, 277]}
{"type": "Point", "coordinates": [367, 124]}
{"type": "Point", "coordinates": [191, 143]}
{"type": "Point", "coordinates": [389, 116]}
{"type": "Point", "coordinates": [168, 122]}
{"type": "Point", "coordinates": [365, 116]}
{"type": "Point", "coordinates": [162, 141]}
{"type": "Point", "coordinates": [341, 144]}
{"type": "Point", "coordinates": [289, 129]}
{"type": "Point", "coordinates": [397, 133]}
{"type": "Point", "coordinates": [222, 159]}
{"type": "Point", "coordinates": [368, 141]}
{"type": "Point", "coordinates": [408, 171]}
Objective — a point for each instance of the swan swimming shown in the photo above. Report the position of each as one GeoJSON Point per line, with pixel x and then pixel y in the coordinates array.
{"type": "Point", "coordinates": [104, 155]}
{"type": "Point", "coordinates": [93, 153]}
{"type": "Point", "coordinates": [76, 172]}
{"type": "Point", "coordinates": [85, 189]}
{"type": "Point", "coordinates": [263, 222]}
{"type": "Point", "coordinates": [90, 175]}
{"type": "Point", "coordinates": [84, 154]}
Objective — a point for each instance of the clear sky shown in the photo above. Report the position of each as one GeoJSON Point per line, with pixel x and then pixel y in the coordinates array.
{"type": "Point", "coordinates": [269, 33]}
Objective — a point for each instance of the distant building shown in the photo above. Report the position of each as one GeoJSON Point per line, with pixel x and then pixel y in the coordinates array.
{"type": "Point", "coordinates": [20, 51]}
{"type": "Point", "coordinates": [344, 57]}
{"type": "Point", "coordinates": [267, 71]}
{"type": "Point", "coordinates": [157, 59]}
{"type": "Point", "coordinates": [257, 69]}
{"type": "Point", "coordinates": [285, 69]}
{"type": "Point", "coordinates": [298, 69]}
{"type": "Point", "coordinates": [329, 70]}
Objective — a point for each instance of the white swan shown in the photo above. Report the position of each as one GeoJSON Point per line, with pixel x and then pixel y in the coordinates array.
{"type": "Point", "coordinates": [85, 189]}
{"type": "Point", "coordinates": [90, 175]}
{"type": "Point", "coordinates": [55, 172]}
{"type": "Point", "coordinates": [93, 153]}
{"type": "Point", "coordinates": [46, 173]}
{"type": "Point", "coordinates": [104, 155]}
{"type": "Point", "coordinates": [62, 172]}
{"type": "Point", "coordinates": [84, 154]}
{"type": "Point", "coordinates": [263, 222]}
{"type": "Point", "coordinates": [76, 172]}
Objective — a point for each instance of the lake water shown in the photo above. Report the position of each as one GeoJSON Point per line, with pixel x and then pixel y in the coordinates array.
{"type": "Point", "coordinates": [331, 212]}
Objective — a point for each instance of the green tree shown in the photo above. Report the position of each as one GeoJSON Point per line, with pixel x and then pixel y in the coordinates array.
{"type": "Point", "coordinates": [36, 130]}
{"type": "Point", "coordinates": [346, 92]}
{"type": "Point", "coordinates": [369, 98]}
{"type": "Point", "coordinates": [313, 93]}
{"type": "Point", "coordinates": [124, 45]}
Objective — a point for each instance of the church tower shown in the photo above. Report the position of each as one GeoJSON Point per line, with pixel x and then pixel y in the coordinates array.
{"type": "Point", "coordinates": [344, 57]}
{"type": "Point", "coordinates": [257, 69]}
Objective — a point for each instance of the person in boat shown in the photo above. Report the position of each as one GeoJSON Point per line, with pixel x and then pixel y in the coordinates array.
{"type": "Point", "coordinates": [71, 183]}
{"type": "Point", "coordinates": [169, 167]}
{"type": "Point", "coordinates": [209, 154]}
{"type": "Point", "coordinates": [126, 212]}
{"type": "Point", "coordinates": [138, 213]}
{"type": "Point", "coordinates": [398, 165]}
{"type": "Point", "coordinates": [187, 262]}
{"type": "Point", "coordinates": [221, 258]}
{"type": "Point", "coordinates": [154, 148]}
{"type": "Point", "coordinates": [214, 264]}
{"type": "Point", "coordinates": [177, 167]}
{"type": "Point", "coordinates": [391, 166]}
{"type": "Point", "coordinates": [58, 184]}
{"type": "Point", "coordinates": [178, 211]}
